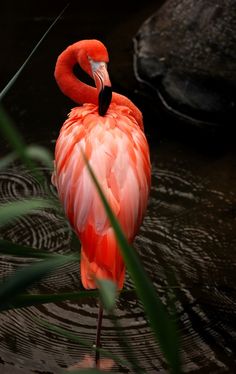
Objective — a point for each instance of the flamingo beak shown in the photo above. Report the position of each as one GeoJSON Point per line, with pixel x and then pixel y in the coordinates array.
{"type": "Point", "coordinates": [103, 84]}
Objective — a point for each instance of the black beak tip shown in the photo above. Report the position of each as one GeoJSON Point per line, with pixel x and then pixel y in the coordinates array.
{"type": "Point", "coordinates": [104, 100]}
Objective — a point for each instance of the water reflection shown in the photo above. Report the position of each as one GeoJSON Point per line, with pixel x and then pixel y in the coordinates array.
{"type": "Point", "coordinates": [189, 230]}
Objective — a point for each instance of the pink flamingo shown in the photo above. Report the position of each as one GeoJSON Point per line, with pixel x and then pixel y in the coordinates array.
{"type": "Point", "coordinates": [108, 128]}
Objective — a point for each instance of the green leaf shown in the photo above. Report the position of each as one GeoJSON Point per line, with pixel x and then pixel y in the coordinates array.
{"type": "Point", "coordinates": [125, 344]}
{"type": "Point", "coordinates": [13, 210]}
{"type": "Point", "coordinates": [14, 138]}
{"type": "Point", "coordinates": [75, 242]}
{"type": "Point", "coordinates": [7, 160]}
{"type": "Point", "coordinates": [14, 249]}
{"type": "Point", "coordinates": [33, 152]}
{"type": "Point", "coordinates": [7, 126]}
{"type": "Point", "coordinates": [17, 74]}
{"type": "Point", "coordinates": [27, 300]}
{"type": "Point", "coordinates": [162, 325]}
{"type": "Point", "coordinates": [17, 143]}
{"type": "Point", "coordinates": [108, 292]}
{"type": "Point", "coordinates": [40, 154]}
{"type": "Point", "coordinates": [24, 278]}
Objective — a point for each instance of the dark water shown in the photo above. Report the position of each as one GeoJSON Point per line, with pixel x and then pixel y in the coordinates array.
{"type": "Point", "coordinates": [189, 229]}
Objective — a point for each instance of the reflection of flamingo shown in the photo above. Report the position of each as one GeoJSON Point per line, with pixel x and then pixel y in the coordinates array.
{"type": "Point", "coordinates": [109, 130]}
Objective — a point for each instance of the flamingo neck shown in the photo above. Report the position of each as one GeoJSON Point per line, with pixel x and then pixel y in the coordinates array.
{"type": "Point", "coordinates": [69, 84]}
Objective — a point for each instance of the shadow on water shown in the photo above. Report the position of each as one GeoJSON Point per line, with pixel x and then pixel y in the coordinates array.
{"type": "Point", "coordinates": [189, 229]}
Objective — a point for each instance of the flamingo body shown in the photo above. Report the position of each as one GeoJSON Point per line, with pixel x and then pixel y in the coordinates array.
{"type": "Point", "coordinates": [117, 150]}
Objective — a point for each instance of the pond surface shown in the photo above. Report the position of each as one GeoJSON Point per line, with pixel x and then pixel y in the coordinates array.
{"type": "Point", "coordinates": [189, 229]}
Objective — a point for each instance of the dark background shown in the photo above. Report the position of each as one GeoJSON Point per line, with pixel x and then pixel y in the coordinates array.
{"type": "Point", "coordinates": [35, 102]}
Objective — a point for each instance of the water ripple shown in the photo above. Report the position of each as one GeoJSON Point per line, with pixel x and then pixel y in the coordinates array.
{"type": "Point", "coordinates": [188, 231]}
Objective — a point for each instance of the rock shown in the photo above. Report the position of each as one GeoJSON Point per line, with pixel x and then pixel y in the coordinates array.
{"type": "Point", "coordinates": [186, 51]}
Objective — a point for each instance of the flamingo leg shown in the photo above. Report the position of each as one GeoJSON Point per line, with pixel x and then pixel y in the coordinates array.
{"type": "Point", "coordinates": [98, 335]}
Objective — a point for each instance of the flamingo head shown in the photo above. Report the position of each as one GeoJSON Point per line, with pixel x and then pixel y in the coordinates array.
{"type": "Point", "coordinates": [93, 58]}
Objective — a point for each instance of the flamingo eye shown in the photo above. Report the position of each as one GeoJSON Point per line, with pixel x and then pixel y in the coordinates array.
{"type": "Point", "coordinates": [96, 65]}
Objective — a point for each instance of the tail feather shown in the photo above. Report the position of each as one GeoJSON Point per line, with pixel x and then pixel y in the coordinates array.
{"type": "Point", "coordinates": [92, 270]}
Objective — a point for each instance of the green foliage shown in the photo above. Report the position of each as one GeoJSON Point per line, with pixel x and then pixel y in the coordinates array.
{"type": "Point", "coordinates": [14, 249]}
{"type": "Point", "coordinates": [19, 71]}
{"type": "Point", "coordinates": [15, 140]}
{"type": "Point", "coordinates": [24, 278]}
{"type": "Point", "coordinates": [27, 300]}
{"type": "Point", "coordinates": [107, 292]}
{"type": "Point", "coordinates": [27, 154]}
{"type": "Point", "coordinates": [12, 210]}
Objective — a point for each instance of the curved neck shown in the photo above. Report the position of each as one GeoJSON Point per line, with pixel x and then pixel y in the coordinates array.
{"type": "Point", "coordinates": [81, 92]}
{"type": "Point", "coordinates": [69, 84]}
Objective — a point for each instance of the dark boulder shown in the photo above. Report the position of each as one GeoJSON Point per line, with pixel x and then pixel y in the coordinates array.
{"type": "Point", "coordinates": [186, 51]}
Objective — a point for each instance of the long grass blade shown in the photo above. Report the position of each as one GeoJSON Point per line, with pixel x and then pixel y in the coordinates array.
{"type": "Point", "coordinates": [13, 249]}
{"type": "Point", "coordinates": [125, 344]}
{"type": "Point", "coordinates": [7, 160]}
{"type": "Point", "coordinates": [27, 300]}
{"type": "Point", "coordinates": [162, 325]}
{"type": "Point", "coordinates": [40, 154]}
{"type": "Point", "coordinates": [14, 138]}
{"type": "Point", "coordinates": [24, 278]}
{"type": "Point", "coordinates": [16, 141]}
{"type": "Point", "coordinates": [7, 127]}
{"type": "Point", "coordinates": [14, 78]}
{"type": "Point", "coordinates": [108, 293]}
{"type": "Point", "coordinates": [33, 152]}
{"type": "Point", "coordinates": [12, 210]}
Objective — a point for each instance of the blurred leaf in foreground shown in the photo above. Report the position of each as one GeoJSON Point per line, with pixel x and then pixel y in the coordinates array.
{"type": "Point", "coordinates": [26, 300]}
{"type": "Point", "coordinates": [13, 210]}
{"type": "Point", "coordinates": [13, 249]}
{"type": "Point", "coordinates": [107, 292]}
{"type": "Point", "coordinates": [25, 277]}
{"type": "Point", "coordinates": [14, 138]}
{"type": "Point", "coordinates": [34, 152]}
